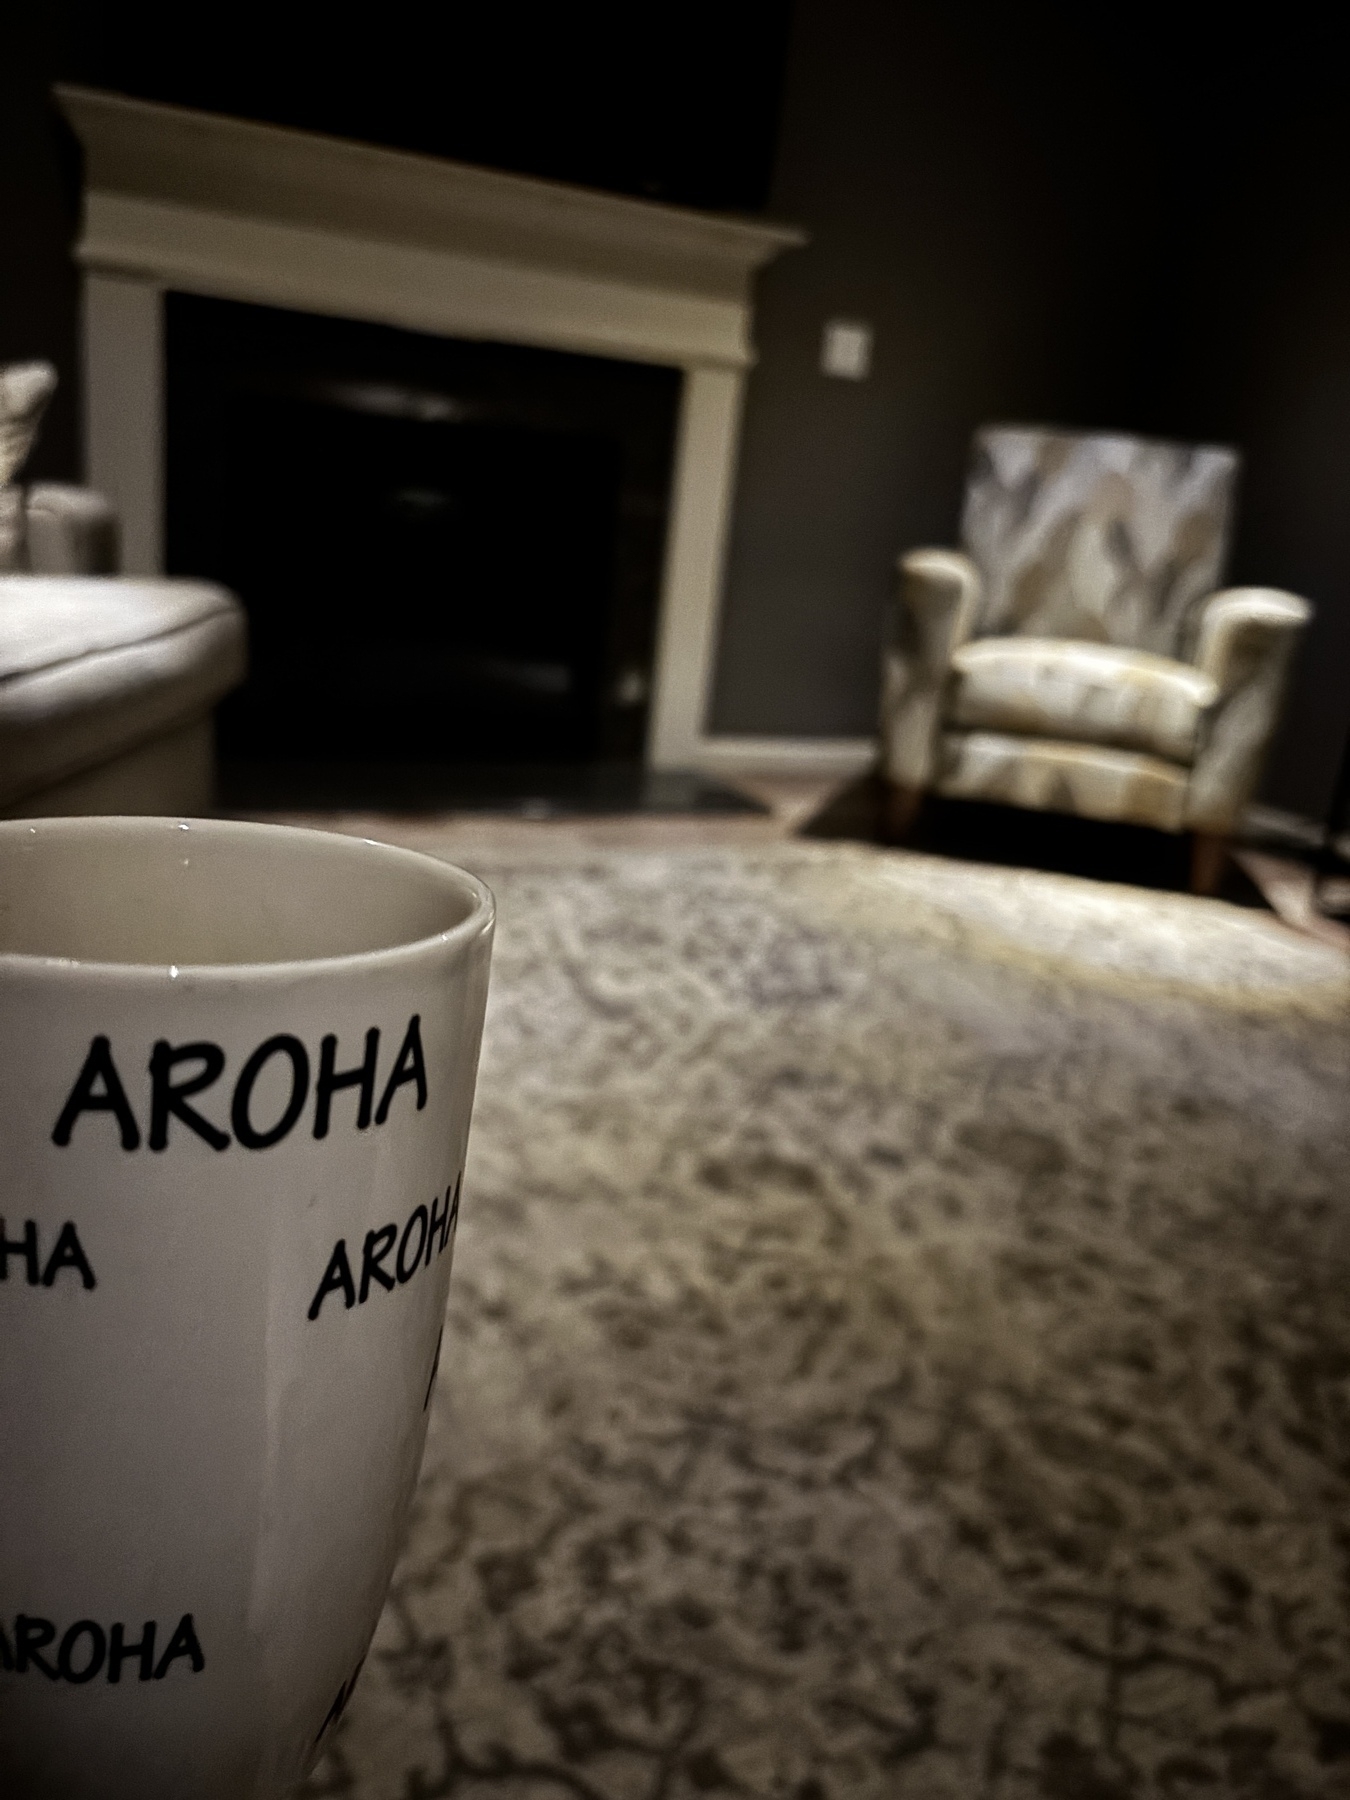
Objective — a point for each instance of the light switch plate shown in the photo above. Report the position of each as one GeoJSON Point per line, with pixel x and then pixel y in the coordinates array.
{"type": "Point", "coordinates": [846, 349]}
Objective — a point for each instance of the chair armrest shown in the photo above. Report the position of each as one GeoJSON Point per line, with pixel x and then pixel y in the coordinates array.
{"type": "Point", "coordinates": [936, 597]}
{"type": "Point", "coordinates": [1246, 641]}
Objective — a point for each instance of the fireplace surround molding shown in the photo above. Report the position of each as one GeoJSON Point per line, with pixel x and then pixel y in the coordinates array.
{"type": "Point", "coordinates": [231, 209]}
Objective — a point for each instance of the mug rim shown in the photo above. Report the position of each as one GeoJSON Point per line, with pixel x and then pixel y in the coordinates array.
{"type": "Point", "coordinates": [480, 918]}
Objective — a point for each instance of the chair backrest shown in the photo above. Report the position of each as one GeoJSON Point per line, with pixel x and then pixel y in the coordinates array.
{"type": "Point", "coordinates": [1114, 539]}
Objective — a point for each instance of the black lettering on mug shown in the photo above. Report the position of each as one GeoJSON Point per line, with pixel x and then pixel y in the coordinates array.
{"type": "Point", "coordinates": [26, 1247]}
{"type": "Point", "coordinates": [67, 1253]}
{"type": "Point", "coordinates": [84, 1666]}
{"type": "Point", "coordinates": [244, 1129]}
{"type": "Point", "coordinates": [337, 1279]}
{"type": "Point", "coordinates": [409, 1066]}
{"type": "Point", "coordinates": [119, 1651]}
{"type": "Point", "coordinates": [168, 1100]}
{"type": "Point", "coordinates": [331, 1078]}
{"type": "Point", "coordinates": [418, 1218]}
{"type": "Point", "coordinates": [339, 1705]}
{"type": "Point", "coordinates": [99, 1088]}
{"type": "Point", "coordinates": [31, 1638]}
{"type": "Point", "coordinates": [447, 1221]}
{"type": "Point", "coordinates": [435, 1369]}
{"type": "Point", "coordinates": [182, 1643]}
{"type": "Point", "coordinates": [85, 1650]}
{"type": "Point", "coordinates": [378, 1245]}
{"type": "Point", "coordinates": [424, 1236]}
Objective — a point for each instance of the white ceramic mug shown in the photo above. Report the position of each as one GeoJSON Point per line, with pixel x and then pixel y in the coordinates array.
{"type": "Point", "coordinates": [236, 1069]}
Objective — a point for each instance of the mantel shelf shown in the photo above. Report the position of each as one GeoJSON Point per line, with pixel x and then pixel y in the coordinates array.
{"type": "Point", "coordinates": [149, 161]}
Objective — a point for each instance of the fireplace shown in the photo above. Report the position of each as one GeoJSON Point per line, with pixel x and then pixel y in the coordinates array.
{"type": "Point", "coordinates": [492, 273]}
{"type": "Point", "coordinates": [450, 552]}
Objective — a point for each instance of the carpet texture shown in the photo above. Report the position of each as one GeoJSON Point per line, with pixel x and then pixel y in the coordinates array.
{"type": "Point", "coordinates": [899, 1346]}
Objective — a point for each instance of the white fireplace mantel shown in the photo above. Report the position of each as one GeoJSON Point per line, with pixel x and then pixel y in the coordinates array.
{"type": "Point", "coordinates": [236, 210]}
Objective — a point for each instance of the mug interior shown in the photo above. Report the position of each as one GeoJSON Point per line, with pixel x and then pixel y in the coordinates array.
{"type": "Point", "coordinates": [213, 891]}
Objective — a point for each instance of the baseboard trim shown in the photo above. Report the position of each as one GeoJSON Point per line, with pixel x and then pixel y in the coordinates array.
{"type": "Point", "coordinates": [841, 758]}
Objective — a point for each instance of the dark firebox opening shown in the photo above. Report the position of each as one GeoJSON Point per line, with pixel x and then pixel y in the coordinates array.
{"type": "Point", "coordinates": [450, 552]}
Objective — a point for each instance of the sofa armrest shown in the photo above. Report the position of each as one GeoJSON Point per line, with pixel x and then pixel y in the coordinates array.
{"type": "Point", "coordinates": [70, 531]}
{"type": "Point", "coordinates": [11, 528]}
{"type": "Point", "coordinates": [1246, 641]}
{"type": "Point", "coordinates": [936, 597]}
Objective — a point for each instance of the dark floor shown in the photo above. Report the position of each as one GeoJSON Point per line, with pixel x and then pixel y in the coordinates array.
{"type": "Point", "coordinates": [980, 831]}
{"type": "Point", "coordinates": [521, 790]}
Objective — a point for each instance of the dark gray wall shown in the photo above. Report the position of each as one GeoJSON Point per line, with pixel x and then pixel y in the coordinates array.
{"type": "Point", "coordinates": [39, 206]}
{"type": "Point", "coordinates": [1046, 218]}
{"type": "Point", "coordinates": [675, 100]}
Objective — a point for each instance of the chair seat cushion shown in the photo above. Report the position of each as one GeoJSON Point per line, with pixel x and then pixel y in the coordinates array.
{"type": "Point", "coordinates": [90, 666]}
{"type": "Point", "coordinates": [1087, 779]}
{"type": "Point", "coordinates": [1087, 693]}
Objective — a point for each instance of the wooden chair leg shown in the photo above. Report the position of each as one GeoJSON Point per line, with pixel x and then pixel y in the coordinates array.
{"type": "Point", "coordinates": [900, 809]}
{"type": "Point", "coordinates": [1209, 857]}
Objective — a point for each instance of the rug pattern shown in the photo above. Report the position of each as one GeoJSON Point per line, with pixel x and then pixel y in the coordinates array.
{"type": "Point", "coordinates": [899, 1346]}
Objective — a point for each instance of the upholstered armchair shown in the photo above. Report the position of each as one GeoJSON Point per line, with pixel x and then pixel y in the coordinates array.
{"type": "Point", "coordinates": [1075, 655]}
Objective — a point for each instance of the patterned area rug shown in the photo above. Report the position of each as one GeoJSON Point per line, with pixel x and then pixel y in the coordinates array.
{"type": "Point", "coordinates": [899, 1346]}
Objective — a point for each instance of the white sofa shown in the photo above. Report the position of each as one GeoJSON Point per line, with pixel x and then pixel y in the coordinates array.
{"type": "Point", "coordinates": [107, 683]}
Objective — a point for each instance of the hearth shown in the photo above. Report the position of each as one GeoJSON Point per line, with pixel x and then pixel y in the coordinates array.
{"type": "Point", "coordinates": [450, 552]}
